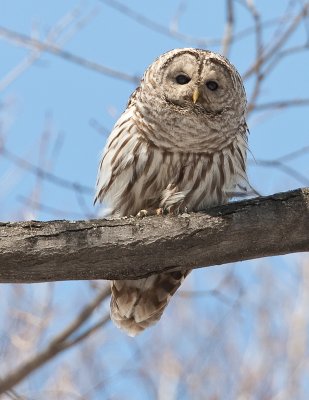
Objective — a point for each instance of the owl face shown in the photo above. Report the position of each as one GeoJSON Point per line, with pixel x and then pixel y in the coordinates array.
{"type": "Point", "coordinates": [200, 81]}
{"type": "Point", "coordinates": [191, 99]}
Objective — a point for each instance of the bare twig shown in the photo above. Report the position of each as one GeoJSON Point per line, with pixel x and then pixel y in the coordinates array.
{"type": "Point", "coordinates": [258, 53]}
{"type": "Point", "coordinates": [174, 24]}
{"type": "Point", "coordinates": [155, 26]}
{"type": "Point", "coordinates": [98, 127]}
{"type": "Point", "coordinates": [279, 56]}
{"type": "Point", "coordinates": [227, 38]}
{"type": "Point", "coordinates": [53, 37]}
{"type": "Point", "coordinates": [32, 43]}
{"type": "Point", "coordinates": [278, 44]}
{"type": "Point", "coordinates": [56, 180]}
{"type": "Point", "coordinates": [243, 34]}
{"type": "Point", "coordinates": [59, 343]}
{"type": "Point", "coordinates": [294, 154]}
{"type": "Point", "coordinates": [280, 104]}
{"type": "Point", "coordinates": [303, 180]}
{"type": "Point", "coordinates": [55, 212]}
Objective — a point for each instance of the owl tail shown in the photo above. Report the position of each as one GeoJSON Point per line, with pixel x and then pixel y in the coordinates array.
{"type": "Point", "coordinates": [138, 304]}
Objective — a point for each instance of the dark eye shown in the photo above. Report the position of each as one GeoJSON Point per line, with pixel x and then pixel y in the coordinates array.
{"type": "Point", "coordinates": [212, 85]}
{"type": "Point", "coordinates": [182, 79]}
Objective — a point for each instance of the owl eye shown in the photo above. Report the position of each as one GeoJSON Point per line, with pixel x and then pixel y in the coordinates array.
{"type": "Point", "coordinates": [182, 79]}
{"type": "Point", "coordinates": [212, 85]}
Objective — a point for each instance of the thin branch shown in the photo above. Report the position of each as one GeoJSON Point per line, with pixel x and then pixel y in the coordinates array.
{"type": "Point", "coordinates": [282, 54]}
{"type": "Point", "coordinates": [227, 38]}
{"type": "Point", "coordinates": [280, 104]}
{"type": "Point", "coordinates": [155, 26]}
{"type": "Point", "coordinates": [82, 317]}
{"type": "Point", "coordinates": [259, 76]}
{"type": "Point", "coordinates": [88, 332]}
{"type": "Point", "coordinates": [32, 43]}
{"type": "Point", "coordinates": [280, 164]}
{"type": "Point", "coordinates": [174, 24]}
{"type": "Point", "coordinates": [98, 127]}
{"type": "Point", "coordinates": [187, 39]}
{"type": "Point", "coordinates": [52, 37]}
{"type": "Point", "coordinates": [55, 212]}
{"type": "Point", "coordinates": [131, 248]}
{"type": "Point", "coordinates": [40, 172]}
{"type": "Point", "coordinates": [303, 180]}
{"type": "Point", "coordinates": [278, 44]}
{"type": "Point", "coordinates": [243, 34]}
{"type": "Point", "coordinates": [59, 343]}
{"type": "Point", "coordinates": [294, 154]}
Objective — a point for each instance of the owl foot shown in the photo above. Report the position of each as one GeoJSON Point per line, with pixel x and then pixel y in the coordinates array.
{"type": "Point", "coordinates": [175, 210]}
{"type": "Point", "coordinates": [145, 213]}
{"type": "Point", "coordinates": [142, 214]}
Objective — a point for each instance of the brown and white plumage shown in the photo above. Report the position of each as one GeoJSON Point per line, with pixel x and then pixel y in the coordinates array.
{"type": "Point", "coordinates": [180, 145]}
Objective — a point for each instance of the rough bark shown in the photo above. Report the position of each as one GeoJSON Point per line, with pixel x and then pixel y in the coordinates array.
{"type": "Point", "coordinates": [133, 248]}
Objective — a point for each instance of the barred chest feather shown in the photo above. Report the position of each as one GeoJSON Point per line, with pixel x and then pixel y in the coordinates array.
{"type": "Point", "coordinates": [136, 174]}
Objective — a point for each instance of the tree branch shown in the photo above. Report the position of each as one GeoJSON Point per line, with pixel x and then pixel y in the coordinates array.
{"type": "Point", "coordinates": [133, 248]}
{"type": "Point", "coordinates": [40, 46]}
{"type": "Point", "coordinates": [62, 341]}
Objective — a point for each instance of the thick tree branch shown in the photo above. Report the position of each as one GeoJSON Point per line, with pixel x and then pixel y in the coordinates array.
{"type": "Point", "coordinates": [134, 248]}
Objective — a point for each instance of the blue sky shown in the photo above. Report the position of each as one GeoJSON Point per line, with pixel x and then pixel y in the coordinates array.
{"type": "Point", "coordinates": [73, 96]}
{"type": "Point", "coordinates": [47, 116]}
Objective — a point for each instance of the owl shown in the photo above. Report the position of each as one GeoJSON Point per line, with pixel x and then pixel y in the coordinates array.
{"type": "Point", "coordinates": [180, 146]}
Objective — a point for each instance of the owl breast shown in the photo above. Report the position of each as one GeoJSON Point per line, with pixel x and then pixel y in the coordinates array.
{"type": "Point", "coordinates": [136, 174]}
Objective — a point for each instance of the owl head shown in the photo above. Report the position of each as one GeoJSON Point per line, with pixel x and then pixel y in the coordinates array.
{"type": "Point", "coordinates": [199, 80]}
{"type": "Point", "coordinates": [196, 97]}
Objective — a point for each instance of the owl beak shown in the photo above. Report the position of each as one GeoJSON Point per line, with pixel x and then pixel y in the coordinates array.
{"type": "Point", "coordinates": [195, 95]}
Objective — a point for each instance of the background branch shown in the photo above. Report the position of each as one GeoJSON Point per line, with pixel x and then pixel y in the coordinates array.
{"type": "Point", "coordinates": [47, 47]}
{"type": "Point", "coordinates": [64, 340]}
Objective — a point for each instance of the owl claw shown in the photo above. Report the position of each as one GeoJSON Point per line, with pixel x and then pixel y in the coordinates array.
{"type": "Point", "coordinates": [145, 213]}
{"type": "Point", "coordinates": [175, 210]}
{"type": "Point", "coordinates": [142, 214]}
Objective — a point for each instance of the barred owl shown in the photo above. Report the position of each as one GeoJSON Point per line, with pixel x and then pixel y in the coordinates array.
{"type": "Point", "coordinates": [180, 145]}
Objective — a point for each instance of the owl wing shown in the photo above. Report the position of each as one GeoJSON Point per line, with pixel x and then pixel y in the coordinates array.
{"type": "Point", "coordinates": [120, 168]}
{"type": "Point", "coordinates": [127, 178]}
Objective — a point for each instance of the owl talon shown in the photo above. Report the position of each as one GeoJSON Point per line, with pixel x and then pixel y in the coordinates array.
{"type": "Point", "coordinates": [175, 210]}
{"type": "Point", "coordinates": [142, 214]}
